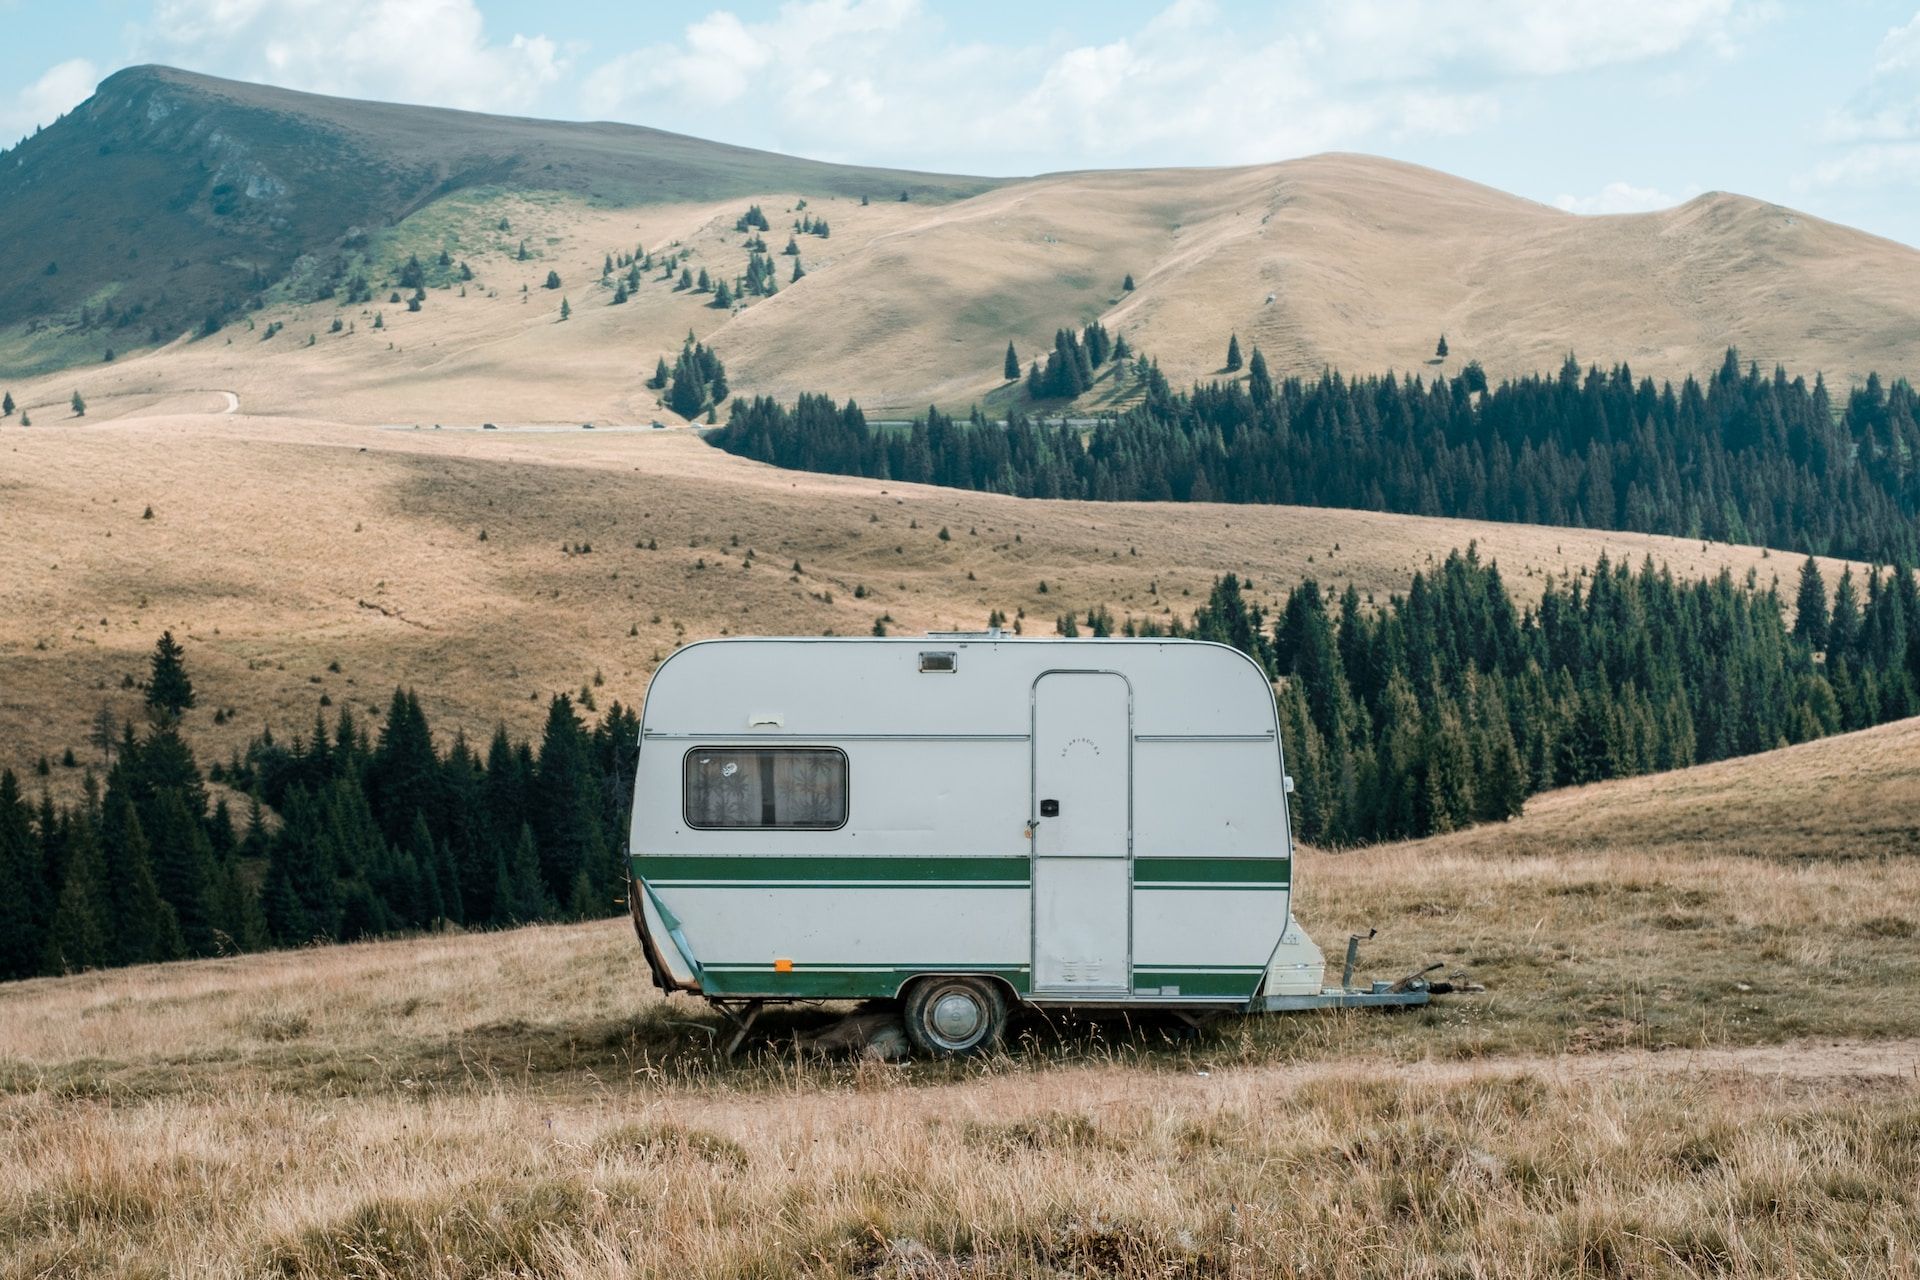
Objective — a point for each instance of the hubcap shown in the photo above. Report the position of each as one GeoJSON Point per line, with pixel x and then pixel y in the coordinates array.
{"type": "Point", "coordinates": [957, 1017]}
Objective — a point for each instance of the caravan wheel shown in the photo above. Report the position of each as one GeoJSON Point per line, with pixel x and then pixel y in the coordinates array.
{"type": "Point", "coordinates": [955, 1017]}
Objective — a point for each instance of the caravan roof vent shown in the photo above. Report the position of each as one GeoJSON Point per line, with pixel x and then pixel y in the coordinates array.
{"type": "Point", "coordinates": [943, 660]}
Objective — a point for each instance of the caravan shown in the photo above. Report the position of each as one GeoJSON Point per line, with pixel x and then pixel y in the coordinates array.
{"type": "Point", "coordinates": [969, 822]}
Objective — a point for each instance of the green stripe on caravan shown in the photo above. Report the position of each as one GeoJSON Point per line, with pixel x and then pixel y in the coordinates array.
{"type": "Point", "coordinates": [1271, 873]}
{"type": "Point", "coordinates": [872, 981]}
{"type": "Point", "coordinates": [1266, 872]}
{"type": "Point", "coordinates": [797, 871]}
{"type": "Point", "coordinates": [851, 982]}
{"type": "Point", "coordinates": [1154, 981]}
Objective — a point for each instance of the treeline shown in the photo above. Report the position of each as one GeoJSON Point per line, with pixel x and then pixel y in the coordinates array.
{"type": "Point", "coordinates": [1745, 457]}
{"type": "Point", "coordinates": [1447, 706]}
{"type": "Point", "coordinates": [1452, 704]}
{"type": "Point", "coordinates": [374, 835]}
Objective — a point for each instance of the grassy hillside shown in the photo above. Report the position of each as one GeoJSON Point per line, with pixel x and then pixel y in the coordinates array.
{"type": "Point", "coordinates": [279, 549]}
{"type": "Point", "coordinates": [171, 195]}
{"type": "Point", "coordinates": [1346, 261]}
{"type": "Point", "coordinates": [1695, 1055]}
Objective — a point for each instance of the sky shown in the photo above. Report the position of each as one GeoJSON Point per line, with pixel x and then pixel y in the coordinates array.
{"type": "Point", "coordinates": [1597, 106]}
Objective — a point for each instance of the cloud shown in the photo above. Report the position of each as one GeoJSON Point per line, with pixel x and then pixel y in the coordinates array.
{"type": "Point", "coordinates": [1877, 133]}
{"type": "Point", "coordinates": [1871, 165]}
{"type": "Point", "coordinates": [427, 51]}
{"type": "Point", "coordinates": [880, 80]}
{"type": "Point", "coordinates": [1394, 39]}
{"type": "Point", "coordinates": [1623, 197]}
{"type": "Point", "coordinates": [887, 81]}
{"type": "Point", "coordinates": [63, 87]}
{"type": "Point", "coordinates": [1899, 50]}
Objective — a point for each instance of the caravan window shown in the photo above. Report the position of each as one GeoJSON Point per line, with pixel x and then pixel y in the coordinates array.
{"type": "Point", "coordinates": [729, 788]}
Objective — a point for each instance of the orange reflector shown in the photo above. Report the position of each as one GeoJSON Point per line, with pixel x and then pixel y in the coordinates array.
{"type": "Point", "coordinates": [783, 966]}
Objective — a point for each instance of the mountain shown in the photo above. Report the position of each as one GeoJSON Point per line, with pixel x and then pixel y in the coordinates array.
{"type": "Point", "coordinates": [1348, 261]}
{"type": "Point", "coordinates": [169, 199]}
{"type": "Point", "coordinates": [169, 196]}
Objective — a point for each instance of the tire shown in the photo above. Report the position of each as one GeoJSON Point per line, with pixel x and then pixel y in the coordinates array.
{"type": "Point", "coordinates": [955, 1017]}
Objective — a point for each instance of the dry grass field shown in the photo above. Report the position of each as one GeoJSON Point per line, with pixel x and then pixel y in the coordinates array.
{"type": "Point", "coordinates": [1698, 1050]}
{"type": "Point", "coordinates": [301, 559]}
{"type": "Point", "coordinates": [1698, 1055]}
{"type": "Point", "coordinates": [1339, 260]}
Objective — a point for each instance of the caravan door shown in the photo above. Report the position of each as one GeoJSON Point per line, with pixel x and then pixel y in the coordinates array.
{"type": "Point", "coordinates": [1082, 825]}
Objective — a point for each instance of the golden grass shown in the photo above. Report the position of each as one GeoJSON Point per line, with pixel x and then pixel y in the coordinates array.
{"type": "Point", "coordinates": [1334, 260]}
{"type": "Point", "coordinates": [1517, 1172]}
{"type": "Point", "coordinates": [278, 549]}
{"type": "Point", "coordinates": [1696, 1057]}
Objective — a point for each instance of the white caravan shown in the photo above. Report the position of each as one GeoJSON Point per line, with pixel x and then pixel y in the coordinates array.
{"type": "Point", "coordinates": [966, 822]}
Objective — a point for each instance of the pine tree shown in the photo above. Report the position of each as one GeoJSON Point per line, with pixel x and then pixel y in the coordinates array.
{"type": "Point", "coordinates": [1502, 789]}
{"type": "Point", "coordinates": [660, 375]}
{"type": "Point", "coordinates": [566, 309]}
{"type": "Point", "coordinates": [519, 893]}
{"type": "Point", "coordinates": [294, 874]}
{"type": "Point", "coordinates": [1126, 286]}
{"type": "Point", "coordinates": [183, 871]}
{"type": "Point", "coordinates": [145, 927]}
{"type": "Point", "coordinates": [1097, 344]}
{"type": "Point", "coordinates": [169, 690]}
{"type": "Point", "coordinates": [79, 406]}
{"type": "Point", "coordinates": [1233, 353]}
{"type": "Point", "coordinates": [77, 937]}
{"type": "Point", "coordinates": [403, 778]}
{"type": "Point", "coordinates": [799, 272]}
{"type": "Point", "coordinates": [465, 856]}
{"type": "Point", "coordinates": [426, 906]}
{"type": "Point", "coordinates": [552, 280]}
{"type": "Point", "coordinates": [25, 900]}
{"type": "Point", "coordinates": [1810, 606]}
{"type": "Point", "coordinates": [1440, 348]}
{"type": "Point", "coordinates": [705, 282]}
{"type": "Point", "coordinates": [6, 405]}
{"type": "Point", "coordinates": [566, 826]}
{"type": "Point", "coordinates": [1259, 381]}
{"type": "Point", "coordinates": [722, 295]}
{"type": "Point", "coordinates": [1011, 368]}
{"type": "Point", "coordinates": [1843, 624]}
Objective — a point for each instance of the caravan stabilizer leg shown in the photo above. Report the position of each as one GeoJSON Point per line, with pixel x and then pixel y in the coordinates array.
{"type": "Point", "coordinates": [742, 1023]}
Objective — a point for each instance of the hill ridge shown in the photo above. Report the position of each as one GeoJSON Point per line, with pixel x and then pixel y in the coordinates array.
{"type": "Point", "coordinates": [173, 203]}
